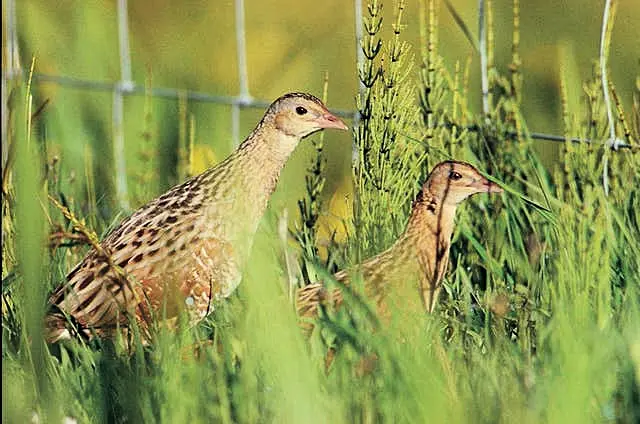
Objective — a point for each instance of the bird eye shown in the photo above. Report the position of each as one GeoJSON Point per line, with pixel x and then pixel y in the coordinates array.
{"type": "Point", "coordinates": [453, 175]}
{"type": "Point", "coordinates": [300, 110]}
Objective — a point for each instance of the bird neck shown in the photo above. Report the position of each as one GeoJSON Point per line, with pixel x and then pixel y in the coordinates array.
{"type": "Point", "coordinates": [431, 220]}
{"type": "Point", "coordinates": [239, 188]}
{"type": "Point", "coordinates": [263, 156]}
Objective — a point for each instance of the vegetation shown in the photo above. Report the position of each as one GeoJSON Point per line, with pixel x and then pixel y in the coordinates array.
{"type": "Point", "coordinates": [539, 320]}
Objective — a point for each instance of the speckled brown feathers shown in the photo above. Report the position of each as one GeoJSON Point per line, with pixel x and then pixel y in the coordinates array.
{"type": "Point", "coordinates": [418, 260]}
{"type": "Point", "coordinates": [185, 249]}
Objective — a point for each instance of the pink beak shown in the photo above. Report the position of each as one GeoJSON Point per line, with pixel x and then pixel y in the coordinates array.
{"type": "Point", "coordinates": [486, 186]}
{"type": "Point", "coordinates": [329, 120]}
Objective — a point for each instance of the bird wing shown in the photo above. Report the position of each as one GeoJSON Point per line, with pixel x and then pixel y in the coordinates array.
{"type": "Point", "coordinates": [148, 250]}
{"type": "Point", "coordinates": [186, 275]}
{"type": "Point", "coordinates": [310, 297]}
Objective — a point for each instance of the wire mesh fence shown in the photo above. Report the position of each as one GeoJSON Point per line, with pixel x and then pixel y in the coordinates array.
{"type": "Point", "coordinates": [125, 86]}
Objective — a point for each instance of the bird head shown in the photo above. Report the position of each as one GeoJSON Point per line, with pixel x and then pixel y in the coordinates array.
{"type": "Point", "coordinates": [453, 181]}
{"type": "Point", "coordinates": [301, 114]}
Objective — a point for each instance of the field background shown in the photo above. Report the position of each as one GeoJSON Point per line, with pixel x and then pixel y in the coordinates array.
{"type": "Point", "coordinates": [191, 45]}
{"type": "Point", "coordinates": [567, 349]}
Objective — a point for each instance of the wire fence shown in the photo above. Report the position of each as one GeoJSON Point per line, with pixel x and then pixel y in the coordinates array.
{"type": "Point", "coordinates": [125, 86]}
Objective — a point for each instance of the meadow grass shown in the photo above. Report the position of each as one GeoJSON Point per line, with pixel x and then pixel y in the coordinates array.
{"type": "Point", "coordinates": [539, 320]}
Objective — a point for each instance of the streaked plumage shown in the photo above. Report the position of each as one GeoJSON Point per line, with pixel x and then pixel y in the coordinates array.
{"type": "Point", "coordinates": [420, 254]}
{"type": "Point", "coordinates": [185, 249]}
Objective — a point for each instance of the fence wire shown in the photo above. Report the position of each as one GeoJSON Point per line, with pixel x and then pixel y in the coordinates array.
{"type": "Point", "coordinates": [125, 86]}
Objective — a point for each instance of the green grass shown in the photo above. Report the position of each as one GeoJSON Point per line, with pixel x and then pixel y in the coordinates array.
{"type": "Point", "coordinates": [539, 320]}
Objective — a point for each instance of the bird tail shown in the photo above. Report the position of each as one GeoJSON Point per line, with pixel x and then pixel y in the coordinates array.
{"type": "Point", "coordinates": [310, 298]}
{"type": "Point", "coordinates": [56, 327]}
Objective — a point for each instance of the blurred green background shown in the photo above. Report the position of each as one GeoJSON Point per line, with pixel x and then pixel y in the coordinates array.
{"type": "Point", "coordinates": [191, 45]}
